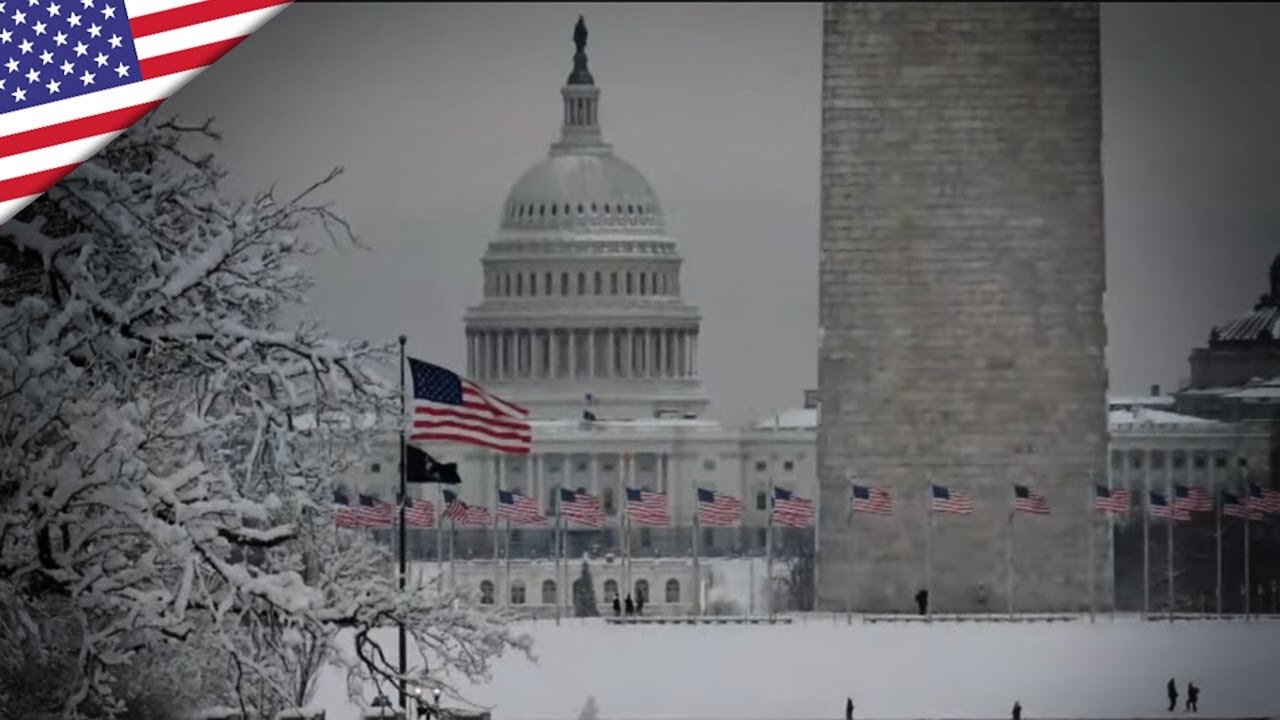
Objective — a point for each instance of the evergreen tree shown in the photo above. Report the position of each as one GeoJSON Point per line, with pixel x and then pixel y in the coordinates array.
{"type": "Point", "coordinates": [584, 594]}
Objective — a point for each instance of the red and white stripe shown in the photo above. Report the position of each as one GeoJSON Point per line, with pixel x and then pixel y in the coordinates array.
{"type": "Point", "coordinates": [716, 509]}
{"type": "Point", "coordinates": [522, 510]}
{"type": "Point", "coordinates": [419, 513]}
{"type": "Point", "coordinates": [1196, 500]}
{"type": "Point", "coordinates": [175, 41]}
{"type": "Point", "coordinates": [484, 420]}
{"type": "Point", "coordinates": [583, 509]}
{"type": "Point", "coordinates": [651, 509]}
{"type": "Point", "coordinates": [464, 514]}
{"type": "Point", "coordinates": [794, 512]}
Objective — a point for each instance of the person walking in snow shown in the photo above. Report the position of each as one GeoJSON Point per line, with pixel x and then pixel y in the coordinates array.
{"type": "Point", "coordinates": [631, 606]}
{"type": "Point", "coordinates": [848, 709]}
{"type": "Point", "coordinates": [1193, 697]}
{"type": "Point", "coordinates": [1017, 710]}
{"type": "Point", "coordinates": [617, 607]}
{"type": "Point", "coordinates": [1172, 690]}
{"type": "Point", "coordinates": [639, 603]}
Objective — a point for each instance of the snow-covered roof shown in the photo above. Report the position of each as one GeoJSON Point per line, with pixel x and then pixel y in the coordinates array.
{"type": "Point", "coordinates": [793, 419]}
{"type": "Point", "coordinates": [1149, 418]}
{"type": "Point", "coordinates": [1140, 400]}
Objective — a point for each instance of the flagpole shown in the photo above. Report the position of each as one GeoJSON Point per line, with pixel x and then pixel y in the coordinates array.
{"type": "Point", "coordinates": [403, 644]}
{"type": "Point", "coordinates": [1217, 568]}
{"type": "Point", "coordinates": [497, 487]}
{"type": "Point", "coordinates": [928, 550]}
{"type": "Point", "coordinates": [1008, 561]}
{"type": "Point", "coordinates": [1093, 581]}
{"type": "Point", "coordinates": [559, 547]}
{"type": "Point", "coordinates": [1146, 547]}
{"type": "Point", "coordinates": [768, 551]}
{"type": "Point", "coordinates": [438, 518]}
{"type": "Point", "coordinates": [697, 550]}
{"type": "Point", "coordinates": [1172, 500]}
{"type": "Point", "coordinates": [453, 540]}
{"type": "Point", "coordinates": [1248, 522]}
{"type": "Point", "coordinates": [853, 555]}
{"type": "Point", "coordinates": [506, 561]}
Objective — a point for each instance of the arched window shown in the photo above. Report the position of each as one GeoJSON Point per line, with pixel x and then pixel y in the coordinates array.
{"type": "Point", "coordinates": [672, 594]}
{"type": "Point", "coordinates": [610, 590]}
{"type": "Point", "coordinates": [564, 283]}
{"type": "Point", "coordinates": [486, 592]}
{"type": "Point", "coordinates": [548, 592]}
{"type": "Point", "coordinates": [517, 592]}
{"type": "Point", "coordinates": [582, 283]}
{"type": "Point", "coordinates": [566, 208]}
{"type": "Point", "coordinates": [642, 591]}
{"type": "Point", "coordinates": [553, 210]}
{"type": "Point", "coordinates": [599, 284]}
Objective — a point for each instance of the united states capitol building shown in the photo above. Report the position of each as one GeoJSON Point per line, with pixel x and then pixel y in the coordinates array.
{"type": "Point", "coordinates": [584, 321]}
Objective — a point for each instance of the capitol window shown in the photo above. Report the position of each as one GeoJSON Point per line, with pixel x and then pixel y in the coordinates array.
{"type": "Point", "coordinates": [610, 590]}
{"type": "Point", "coordinates": [553, 211]}
{"type": "Point", "coordinates": [630, 287]}
{"type": "Point", "coordinates": [582, 283]}
{"type": "Point", "coordinates": [762, 500]}
{"type": "Point", "coordinates": [542, 211]}
{"type": "Point", "coordinates": [593, 208]}
{"type": "Point", "coordinates": [486, 592]}
{"type": "Point", "coordinates": [644, 283]}
{"type": "Point", "coordinates": [519, 285]}
{"type": "Point", "coordinates": [761, 466]}
{"type": "Point", "coordinates": [547, 285]}
{"type": "Point", "coordinates": [613, 283]}
{"type": "Point", "coordinates": [375, 467]}
{"type": "Point", "coordinates": [579, 208]}
{"type": "Point", "coordinates": [564, 283]}
{"type": "Point", "coordinates": [708, 464]}
{"type": "Point", "coordinates": [548, 592]}
{"type": "Point", "coordinates": [506, 284]}
{"type": "Point", "coordinates": [533, 284]}
{"type": "Point", "coordinates": [672, 594]}
{"type": "Point", "coordinates": [517, 592]}
{"type": "Point", "coordinates": [599, 284]}
{"type": "Point", "coordinates": [788, 466]}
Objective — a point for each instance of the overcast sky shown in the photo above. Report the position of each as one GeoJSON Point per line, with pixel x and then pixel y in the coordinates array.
{"type": "Point", "coordinates": [434, 110]}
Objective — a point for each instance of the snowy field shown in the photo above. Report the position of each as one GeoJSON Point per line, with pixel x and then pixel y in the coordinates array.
{"type": "Point", "coordinates": [1111, 669]}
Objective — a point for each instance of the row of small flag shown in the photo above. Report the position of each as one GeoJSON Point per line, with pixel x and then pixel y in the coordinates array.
{"type": "Point", "coordinates": [1257, 503]}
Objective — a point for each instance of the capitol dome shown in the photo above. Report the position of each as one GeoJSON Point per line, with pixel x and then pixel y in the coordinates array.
{"type": "Point", "coordinates": [582, 300]}
{"type": "Point", "coordinates": [577, 188]}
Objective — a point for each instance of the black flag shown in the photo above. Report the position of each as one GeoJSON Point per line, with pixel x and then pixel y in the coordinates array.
{"type": "Point", "coordinates": [425, 469]}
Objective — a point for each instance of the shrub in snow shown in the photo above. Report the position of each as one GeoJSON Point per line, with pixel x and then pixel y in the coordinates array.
{"type": "Point", "coordinates": [168, 450]}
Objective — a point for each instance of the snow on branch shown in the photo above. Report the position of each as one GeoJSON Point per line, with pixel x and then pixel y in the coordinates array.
{"type": "Point", "coordinates": [168, 450]}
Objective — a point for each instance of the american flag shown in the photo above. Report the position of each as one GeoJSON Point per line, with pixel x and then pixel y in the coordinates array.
{"type": "Point", "coordinates": [450, 408]}
{"type": "Point", "coordinates": [790, 510]}
{"type": "Point", "coordinates": [74, 74]}
{"type": "Point", "coordinates": [343, 515]}
{"type": "Point", "coordinates": [1191, 499]}
{"type": "Point", "coordinates": [374, 513]}
{"type": "Point", "coordinates": [1028, 502]}
{"type": "Point", "coordinates": [645, 507]}
{"type": "Point", "coordinates": [1158, 506]}
{"type": "Point", "coordinates": [716, 509]}
{"type": "Point", "coordinates": [949, 500]}
{"type": "Point", "coordinates": [1232, 507]}
{"type": "Point", "coordinates": [581, 507]}
{"type": "Point", "coordinates": [874, 500]}
{"type": "Point", "coordinates": [1264, 499]}
{"type": "Point", "coordinates": [464, 514]}
{"type": "Point", "coordinates": [1106, 500]}
{"type": "Point", "coordinates": [519, 508]}
{"type": "Point", "coordinates": [419, 513]}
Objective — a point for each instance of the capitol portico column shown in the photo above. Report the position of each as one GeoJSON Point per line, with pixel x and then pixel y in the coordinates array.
{"type": "Point", "coordinates": [693, 355]}
{"type": "Point", "coordinates": [660, 353]}
{"type": "Point", "coordinates": [627, 353]}
{"type": "Point", "coordinates": [595, 474]}
{"type": "Point", "coordinates": [573, 352]}
{"type": "Point", "coordinates": [553, 343]}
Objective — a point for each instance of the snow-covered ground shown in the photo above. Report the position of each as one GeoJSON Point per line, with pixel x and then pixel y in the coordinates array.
{"type": "Point", "coordinates": [1114, 668]}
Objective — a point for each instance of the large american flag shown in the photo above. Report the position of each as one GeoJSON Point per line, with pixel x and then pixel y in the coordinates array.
{"type": "Point", "coordinates": [519, 508]}
{"type": "Point", "coordinates": [1232, 507]}
{"type": "Point", "coordinates": [1264, 499]}
{"type": "Point", "coordinates": [645, 507]}
{"type": "Point", "coordinates": [949, 500]}
{"type": "Point", "coordinates": [1106, 500]}
{"type": "Point", "coordinates": [790, 510]}
{"type": "Point", "coordinates": [450, 408]}
{"type": "Point", "coordinates": [581, 507]}
{"type": "Point", "coordinates": [464, 514]}
{"type": "Point", "coordinates": [1028, 502]}
{"type": "Point", "coordinates": [375, 513]}
{"type": "Point", "coordinates": [716, 509]}
{"type": "Point", "coordinates": [1191, 499]}
{"type": "Point", "coordinates": [874, 500]}
{"type": "Point", "coordinates": [74, 74]}
{"type": "Point", "coordinates": [344, 516]}
{"type": "Point", "coordinates": [1158, 506]}
{"type": "Point", "coordinates": [419, 513]}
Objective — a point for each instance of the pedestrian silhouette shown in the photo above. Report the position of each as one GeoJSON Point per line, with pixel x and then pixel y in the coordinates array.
{"type": "Point", "coordinates": [617, 607]}
{"type": "Point", "coordinates": [1193, 697]}
{"type": "Point", "coordinates": [1172, 689]}
{"type": "Point", "coordinates": [848, 709]}
{"type": "Point", "coordinates": [922, 601]}
{"type": "Point", "coordinates": [1017, 710]}
{"type": "Point", "coordinates": [639, 603]}
{"type": "Point", "coordinates": [631, 606]}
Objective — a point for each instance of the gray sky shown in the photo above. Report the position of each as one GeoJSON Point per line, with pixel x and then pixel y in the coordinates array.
{"type": "Point", "coordinates": [435, 110]}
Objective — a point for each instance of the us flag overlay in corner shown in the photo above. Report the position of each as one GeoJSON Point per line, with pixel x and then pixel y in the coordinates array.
{"type": "Point", "coordinates": [74, 74]}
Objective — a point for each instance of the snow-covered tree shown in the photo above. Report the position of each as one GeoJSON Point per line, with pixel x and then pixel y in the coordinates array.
{"type": "Point", "coordinates": [168, 449]}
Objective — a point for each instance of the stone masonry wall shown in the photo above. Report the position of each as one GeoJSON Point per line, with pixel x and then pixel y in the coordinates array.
{"type": "Point", "coordinates": [962, 276]}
